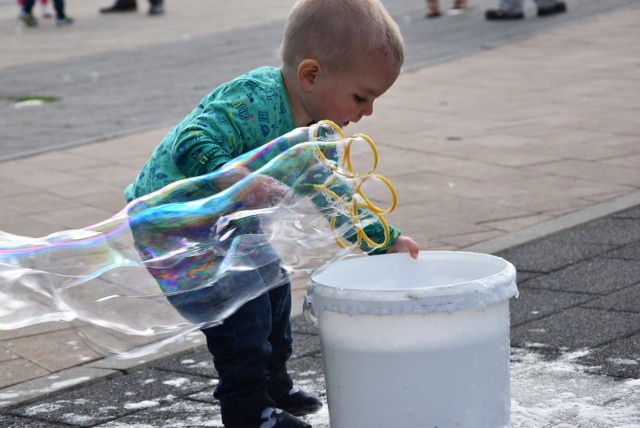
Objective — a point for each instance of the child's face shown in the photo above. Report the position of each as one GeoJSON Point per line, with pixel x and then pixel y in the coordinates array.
{"type": "Point", "coordinates": [347, 96]}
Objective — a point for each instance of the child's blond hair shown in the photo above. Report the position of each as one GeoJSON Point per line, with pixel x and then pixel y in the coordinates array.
{"type": "Point", "coordinates": [334, 32]}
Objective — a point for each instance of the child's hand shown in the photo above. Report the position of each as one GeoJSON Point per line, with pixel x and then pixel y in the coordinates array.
{"type": "Point", "coordinates": [265, 192]}
{"type": "Point", "coordinates": [404, 244]}
{"type": "Point", "coordinates": [257, 191]}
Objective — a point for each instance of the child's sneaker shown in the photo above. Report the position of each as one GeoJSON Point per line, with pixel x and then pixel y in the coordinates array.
{"type": "Point", "coordinates": [28, 19]}
{"type": "Point", "coordinates": [277, 418]}
{"type": "Point", "coordinates": [298, 402]}
{"type": "Point", "coordinates": [61, 22]}
{"type": "Point", "coordinates": [46, 11]}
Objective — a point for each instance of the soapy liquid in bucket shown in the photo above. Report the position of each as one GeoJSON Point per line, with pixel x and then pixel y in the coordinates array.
{"type": "Point", "coordinates": [399, 374]}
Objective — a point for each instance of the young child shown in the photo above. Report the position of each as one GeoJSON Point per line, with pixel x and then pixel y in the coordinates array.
{"type": "Point", "coordinates": [338, 57]}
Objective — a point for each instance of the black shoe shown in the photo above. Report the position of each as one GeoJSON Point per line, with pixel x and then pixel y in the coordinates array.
{"type": "Point", "coordinates": [156, 9]}
{"type": "Point", "coordinates": [498, 14]}
{"type": "Point", "coordinates": [277, 418]}
{"type": "Point", "coordinates": [559, 7]}
{"type": "Point", "coordinates": [121, 6]}
{"type": "Point", "coordinates": [274, 418]}
{"type": "Point", "coordinates": [298, 403]}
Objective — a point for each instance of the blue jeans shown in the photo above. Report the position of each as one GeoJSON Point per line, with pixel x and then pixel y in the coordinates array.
{"type": "Point", "coordinates": [251, 348]}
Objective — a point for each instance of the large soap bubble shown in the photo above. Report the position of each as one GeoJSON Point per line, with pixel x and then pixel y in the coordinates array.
{"type": "Point", "coordinates": [293, 205]}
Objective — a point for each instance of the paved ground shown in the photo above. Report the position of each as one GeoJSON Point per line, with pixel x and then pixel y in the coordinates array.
{"type": "Point", "coordinates": [488, 151]}
{"type": "Point", "coordinates": [122, 77]}
{"type": "Point", "coordinates": [575, 336]}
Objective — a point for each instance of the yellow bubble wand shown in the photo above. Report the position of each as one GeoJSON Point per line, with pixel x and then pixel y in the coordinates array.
{"type": "Point", "coordinates": [360, 200]}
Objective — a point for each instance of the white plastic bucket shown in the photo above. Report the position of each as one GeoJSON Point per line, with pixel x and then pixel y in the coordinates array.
{"type": "Point", "coordinates": [415, 343]}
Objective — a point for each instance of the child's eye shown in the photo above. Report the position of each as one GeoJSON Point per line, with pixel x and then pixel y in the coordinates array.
{"type": "Point", "coordinates": [360, 99]}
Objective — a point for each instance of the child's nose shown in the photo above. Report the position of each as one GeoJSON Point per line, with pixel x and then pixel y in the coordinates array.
{"type": "Point", "coordinates": [368, 109]}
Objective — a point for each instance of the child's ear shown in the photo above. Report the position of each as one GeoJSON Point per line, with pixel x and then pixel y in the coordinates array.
{"type": "Point", "coordinates": [309, 72]}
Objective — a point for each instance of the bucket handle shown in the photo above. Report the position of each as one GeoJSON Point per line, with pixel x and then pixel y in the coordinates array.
{"type": "Point", "coordinates": [307, 310]}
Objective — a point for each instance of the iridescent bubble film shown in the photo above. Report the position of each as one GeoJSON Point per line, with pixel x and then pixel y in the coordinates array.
{"type": "Point", "coordinates": [168, 263]}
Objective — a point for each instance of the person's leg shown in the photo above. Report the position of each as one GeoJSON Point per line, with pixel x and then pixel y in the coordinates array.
{"type": "Point", "coordinates": [509, 9]}
{"type": "Point", "coordinates": [250, 350]}
{"type": "Point", "coordinates": [61, 17]}
{"type": "Point", "coordinates": [25, 14]}
{"type": "Point", "coordinates": [280, 340]}
{"type": "Point", "coordinates": [46, 9]}
{"type": "Point", "coordinates": [512, 7]}
{"type": "Point", "coordinates": [156, 7]}
{"type": "Point", "coordinates": [240, 354]}
{"type": "Point", "coordinates": [58, 6]}
{"type": "Point", "coordinates": [281, 389]}
{"type": "Point", "coordinates": [27, 6]}
{"type": "Point", "coordinates": [459, 4]}
{"type": "Point", "coordinates": [433, 8]}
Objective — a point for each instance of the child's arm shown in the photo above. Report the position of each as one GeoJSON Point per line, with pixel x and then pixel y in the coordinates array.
{"type": "Point", "coordinates": [259, 190]}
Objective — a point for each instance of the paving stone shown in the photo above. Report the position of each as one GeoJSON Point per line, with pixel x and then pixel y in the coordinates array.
{"type": "Point", "coordinates": [620, 358]}
{"type": "Point", "coordinates": [18, 422]}
{"type": "Point", "coordinates": [533, 304]}
{"type": "Point", "coordinates": [576, 328]}
{"type": "Point", "coordinates": [614, 231]}
{"type": "Point", "coordinates": [630, 213]}
{"type": "Point", "coordinates": [624, 300]}
{"type": "Point", "coordinates": [18, 370]}
{"type": "Point", "coordinates": [522, 277]}
{"type": "Point", "coordinates": [300, 325]}
{"type": "Point", "coordinates": [197, 363]}
{"type": "Point", "coordinates": [548, 255]}
{"type": "Point", "coordinates": [304, 344]}
{"type": "Point", "coordinates": [65, 349]}
{"type": "Point", "coordinates": [177, 413]}
{"type": "Point", "coordinates": [629, 252]}
{"type": "Point", "coordinates": [597, 276]}
{"type": "Point", "coordinates": [123, 395]}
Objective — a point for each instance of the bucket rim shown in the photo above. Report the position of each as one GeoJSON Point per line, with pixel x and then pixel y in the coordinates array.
{"type": "Point", "coordinates": [484, 291]}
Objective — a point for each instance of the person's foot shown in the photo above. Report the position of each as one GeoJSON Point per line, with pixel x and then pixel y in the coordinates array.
{"type": "Point", "coordinates": [559, 7]}
{"type": "Point", "coordinates": [46, 11]}
{"type": "Point", "coordinates": [121, 6]}
{"type": "Point", "coordinates": [298, 402]}
{"type": "Point", "coordinates": [456, 11]}
{"type": "Point", "coordinates": [433, 14]}
{"type": "Point", "coordinates": [278, 418]}
{"type": "Point", "coordinates": [28, 19]}
{"type": "Point", "coordinates": [61, 22]}
{"type": "Point", "coordinates": [274, 418]}
{"type": "Point", "coordinates": [499, 14]}
{"type": "Point", "coordinates": [156, 9]}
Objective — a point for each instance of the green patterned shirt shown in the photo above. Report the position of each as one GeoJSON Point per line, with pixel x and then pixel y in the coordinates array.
{"type": "Point", "coordinates": [239, 116]}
